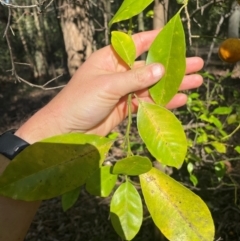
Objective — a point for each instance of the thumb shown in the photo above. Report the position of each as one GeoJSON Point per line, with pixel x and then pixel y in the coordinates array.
{"type": "Point", "coordinates": [136, 79]}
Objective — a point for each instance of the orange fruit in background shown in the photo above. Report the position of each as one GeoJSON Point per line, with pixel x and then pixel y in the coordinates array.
{"type": "Point", "coordinates": [229, 50]}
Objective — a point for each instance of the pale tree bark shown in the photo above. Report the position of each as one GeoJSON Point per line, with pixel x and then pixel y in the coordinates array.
{"type": "Point", "coordinates": [107, 17]}
{"type": "Point", "coordinates": [78, 30]}
{"type": "Point", "coordinates": [233, 32]}
{"type": "Point", "coordinates": [41, 50]}
{"type": "Point", "coordinates": [31, 33]}
{"type": "Point", "coordinates": [160, 13]}
{"type": "Point", "coordinates": [234, 19]}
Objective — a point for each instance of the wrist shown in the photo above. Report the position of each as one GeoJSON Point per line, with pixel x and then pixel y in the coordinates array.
{"type": "Point", "coordinates": [41, 125]}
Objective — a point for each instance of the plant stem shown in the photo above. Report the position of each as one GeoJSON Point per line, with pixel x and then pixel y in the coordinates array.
{"type": "Point", "coordinates": [130, 26]}
{"type": "Point", "coordinates": [226, 137]}
{"type": "Point", "coordinates": [127, 136]}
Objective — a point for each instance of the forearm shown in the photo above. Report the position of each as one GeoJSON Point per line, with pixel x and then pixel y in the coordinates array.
{"type": "Point", "coordinates": [15, 216]}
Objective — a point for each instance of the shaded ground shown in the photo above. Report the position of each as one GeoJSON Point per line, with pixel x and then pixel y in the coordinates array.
{"type": "Point", "coordinates": [89, 220]}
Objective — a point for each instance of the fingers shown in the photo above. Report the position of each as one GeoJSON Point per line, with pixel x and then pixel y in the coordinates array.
{"type": "Point", "coordinates": [124, 83]}
{"type": "Point", "coordinates": [194, 64]}
{"type": "Point", "coordinates": [177, 101]}
{"type": "Point", "coordinates": [191, 82]}
{"type": "Point", "coordinates": [144, 40]}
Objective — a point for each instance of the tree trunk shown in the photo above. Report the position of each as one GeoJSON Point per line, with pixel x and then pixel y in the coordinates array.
{"type": "Point", "coordinates": [160, 13]}
{"type": "Point", "coordinates": [78, 30]}
{"type": "Point", "coordinates": [234, 19]}
{"type": "Point", "coordinates": [233, 32]}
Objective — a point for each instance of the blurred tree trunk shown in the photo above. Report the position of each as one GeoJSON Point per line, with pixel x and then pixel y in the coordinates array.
{"type": "Point", "coordinates": [233, 32]}
{"type": "Point", "coordinates": [31, 32]}
{"type": "Point", "coordinates": [141, 28]}
{"type": "Point", "coordinates": [234, 19]}
{"type": "Point", "coordinates": [107, 18]}
{"type": "Point", "coordinates": [78, 30]}
{"type": "Point", "coordinates": [41, 48]}
{"type": "Point", "coordinates": [160, 13]}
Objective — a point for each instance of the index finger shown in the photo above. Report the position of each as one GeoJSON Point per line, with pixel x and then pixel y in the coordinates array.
{"type": "Point", "coordinates": [144, 40]}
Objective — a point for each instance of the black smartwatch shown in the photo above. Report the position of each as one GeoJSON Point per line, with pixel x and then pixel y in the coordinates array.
{"type": "Point", "coordinates": [11, 145]}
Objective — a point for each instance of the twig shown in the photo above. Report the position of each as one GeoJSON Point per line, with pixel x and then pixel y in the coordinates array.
{"type": "Point", "coordinates": [49, 4]}
{"type": "Point", "coordinates": [18, 6]}
{"type": "Point", "coordinates": [8, 23]}
{"type": "Point", "coordinates": [43, 87]}
{"type": "Point", "coordinates": [13, 70]}
{"type": "Point", "coordinates": [194, 125]}
{"type": "Point", "coordinates": [202, 8]}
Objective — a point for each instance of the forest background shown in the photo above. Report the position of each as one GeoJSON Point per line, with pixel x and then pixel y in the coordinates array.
{"type": "Point", "coordinates": [47, 40]}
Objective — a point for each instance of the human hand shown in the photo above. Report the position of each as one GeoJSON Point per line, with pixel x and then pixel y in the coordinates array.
{"type": "Point", "coordinates": [95, 99]}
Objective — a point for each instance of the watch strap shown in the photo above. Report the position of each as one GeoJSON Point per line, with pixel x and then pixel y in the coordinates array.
{"type": "Point", "coordinates": [11, 145]}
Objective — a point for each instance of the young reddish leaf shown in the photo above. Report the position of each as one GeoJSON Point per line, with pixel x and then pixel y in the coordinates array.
{"type": "Point", "coordinates": [123, 44]}
{"type": "Point", "coordinates": [168, 49]}
{"type": "Point", "coordinates": [162, 133]}
{"type": "Point", "coordinates": [53, 166]}
{"type": "Point", "coordinates": [101, 182]}
{"type": "Point", "coordinates": [70, 198]}
{"type": "Point", "coordinates": [132, 166]}
{"type": "Point", "coordinates": [177, 212]}
{"type": "Point", "coordinates": [126, 211]}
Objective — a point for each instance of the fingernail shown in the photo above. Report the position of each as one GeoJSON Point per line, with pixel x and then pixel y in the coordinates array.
{"type": "Point", "coordinates": [157, 70]}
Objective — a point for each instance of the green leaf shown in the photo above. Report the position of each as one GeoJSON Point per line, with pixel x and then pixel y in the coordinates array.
{"type": "Point", "coordinates": [169, 49]}
{"type": "Point", "coordinates": [181, 1]}
{"type": "Point", "coordinates": [101, 182]}
{"type": "Point", "coordinates": [70, 198]}
{"type": "Point", "coordinates": [222, 110]}
{"type": "Point", "coordinates": [190, 167]}
{"type": "Point", "coordinates": [177, 212]}
{"type": "Point", "coordinates": [162, 133]}
{"type": "Point", "coordinates": [208, 150]}
{"type": "Point", "coordinates": [220, 169]}
{"type": "Point", "coordinates": [237, 149]}
{"type": "Point", "coordinates": [53, 166]}
{"type": "Point", "coordinates": [129, 9]}
{"type": "Point", "coordinates": [220, 147]}
{"type": "Point", "coordinates": [211, 119]}
{"type": "Point", "coordinates": [231, 119]}
{"type": "Point", "coordinates": [123, 44]}
{"type": "Point", "coordinates": [113, 135]}
{"type": "Point", "coordinates": [132, 166]}
{"type": "Point", "coordinates": [193, 179]}
{"type": "Point", "coordinates": [126, 211]}
{"type": "Point", "coordinates": [202, 136]}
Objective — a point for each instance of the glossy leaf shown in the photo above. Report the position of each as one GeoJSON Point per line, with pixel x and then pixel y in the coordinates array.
{"type": "Point", "coordinates": [123, 44]}
{"type": "Point", "coordinates": [70, 198]}
{"type": "Point", "coordinates": [162, 133]}
{"type": "Point", "coordinates": [129, 9]}
{"type": "Point", "coordinates": [53, 166]}
{"type": "Point", "coordinates": [168, 49]}
{"type": "Point", "coordinates": [126, 211]}
{"type": "Point", "coordinates": [101, 182]}
{"type": "Point", "coordinates": [133, 165]}
{"type": "Point", "coordinates": [177, 212]}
